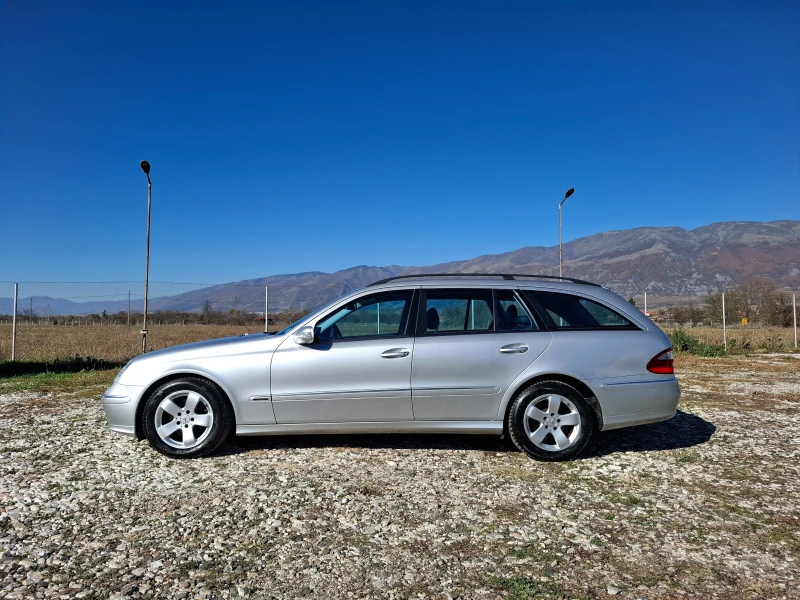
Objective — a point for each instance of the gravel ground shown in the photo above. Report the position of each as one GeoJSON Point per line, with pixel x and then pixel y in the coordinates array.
{"type": "Point", "coordinates": [704, 505]}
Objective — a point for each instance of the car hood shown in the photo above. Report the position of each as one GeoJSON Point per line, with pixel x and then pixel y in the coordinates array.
{"type": "Point", "coordinates": [211, 346]}
{"type": "Point", "coordinates": [240, 344]}
{"type": "Point", "coordinates": [147, 365]}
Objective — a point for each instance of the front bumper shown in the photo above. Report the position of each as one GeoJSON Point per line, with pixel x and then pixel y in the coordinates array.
{"type": "Point", "coordinates": [120, 403]}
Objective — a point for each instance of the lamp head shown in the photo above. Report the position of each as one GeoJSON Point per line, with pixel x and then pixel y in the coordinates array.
{"type": "Point", "coordinates": [569, 193]}
{"type": "Point", "coordinates": [145, 167]}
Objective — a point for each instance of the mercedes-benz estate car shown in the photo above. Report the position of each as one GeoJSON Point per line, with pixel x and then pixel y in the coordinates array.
{"type": "Point", "coordinates": [545, 361]}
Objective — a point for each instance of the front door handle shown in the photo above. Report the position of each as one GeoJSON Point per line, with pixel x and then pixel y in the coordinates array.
{"type": "Point", "coordinates": [395, 353]}
{"type": "Point", "coordinates": [514, 349]}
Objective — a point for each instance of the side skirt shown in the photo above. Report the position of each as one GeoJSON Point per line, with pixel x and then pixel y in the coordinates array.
{"type": "Point", "coordinates": [476, 427]}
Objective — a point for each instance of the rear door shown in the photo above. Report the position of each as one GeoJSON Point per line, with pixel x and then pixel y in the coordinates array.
{"type": "Point", "coordinates": [471, 344]}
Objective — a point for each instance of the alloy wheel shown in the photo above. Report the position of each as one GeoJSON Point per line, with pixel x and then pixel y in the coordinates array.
{"type": "Point", "coordinates": [552, 422]}
{"type": "Point", "coordinates": [184, 419]}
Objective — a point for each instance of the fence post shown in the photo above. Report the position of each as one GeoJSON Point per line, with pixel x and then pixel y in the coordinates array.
{"type": "Point", "coordinates": [724, 331]}
{"type": "Point", "coordinates": [266, 309]}
{"type": "Point", "coordinates": [794, 314]}
{"type": "Point", "coordinates": [14, 325]}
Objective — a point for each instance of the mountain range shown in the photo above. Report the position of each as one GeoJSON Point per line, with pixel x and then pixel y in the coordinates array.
{"type": "Point", "coordinates": [673, 265]}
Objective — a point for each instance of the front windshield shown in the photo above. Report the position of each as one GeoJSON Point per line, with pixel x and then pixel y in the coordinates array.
{"type": "Point", "coordinates": [310, 315]}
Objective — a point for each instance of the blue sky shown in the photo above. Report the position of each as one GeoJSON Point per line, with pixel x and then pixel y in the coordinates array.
{"type": "Point", "coordinates": [302, 136]}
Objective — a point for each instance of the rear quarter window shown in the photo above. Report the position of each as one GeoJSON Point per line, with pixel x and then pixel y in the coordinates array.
{"type": "Point", "coordinates": [566, 311]}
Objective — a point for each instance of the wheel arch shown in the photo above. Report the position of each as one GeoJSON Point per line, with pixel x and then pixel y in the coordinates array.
{"type": "Point", "coordinates": [579, 385]}
{"type": "Point", "coordinates": [171, 377]}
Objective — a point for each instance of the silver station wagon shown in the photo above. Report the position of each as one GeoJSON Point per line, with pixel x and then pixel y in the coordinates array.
{"type": "Point", "coordinates": [546, 361]}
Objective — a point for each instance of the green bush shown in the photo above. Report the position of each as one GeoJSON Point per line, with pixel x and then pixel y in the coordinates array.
{"type": "Point", "coordinates": [683, 342]}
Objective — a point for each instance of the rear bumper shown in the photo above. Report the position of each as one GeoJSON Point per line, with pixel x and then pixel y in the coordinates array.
{"type": "Point", "coordinates": [636, 401]}
{"type": "Point", "coordinates": [119, 403]}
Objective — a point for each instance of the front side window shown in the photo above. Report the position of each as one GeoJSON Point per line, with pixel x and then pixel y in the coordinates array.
{"type": "Point", "coordinates": [573, 312]}
{"type": "Point", "coordinates": [458, 310]}
{"type": "Point", "coordinates": [377, 315]}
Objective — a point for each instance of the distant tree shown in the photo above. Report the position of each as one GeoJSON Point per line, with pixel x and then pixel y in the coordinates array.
{"type": "Point", "coordinates": [632, 301]}
{"type": "Point", "coordinates": [778, 312]}
{"type": "Point", "coordinates": [758, 295]}
{"type": "Point", "coordinates": [681, 315]}
{"type": "Point", "coordinates": [690, 314]}
{"type": "Point", "coordinates": [756, 299]}
{"type": "Point", "coordinates": [696, 313]}
{"type": "Point", "coordinates": [734, 307]}
{"type": "Point", "coordinates": [207, 313]}
{"type": "Point", "coordinates": [714, 308]}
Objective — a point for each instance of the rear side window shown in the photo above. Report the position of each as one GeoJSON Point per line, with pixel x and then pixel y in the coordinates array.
{"type": "Point", "coordinates": [573, 312]}
{"type": "Point", "coordinates": [512, 314]}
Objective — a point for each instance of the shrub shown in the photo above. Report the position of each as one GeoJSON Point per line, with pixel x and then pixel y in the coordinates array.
{"type": "Point", "coordinates": [683, 342]}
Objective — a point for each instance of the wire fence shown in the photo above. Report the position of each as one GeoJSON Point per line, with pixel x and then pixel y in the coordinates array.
{"type": "Point", "coordinates": [122, 301]}
{"type": "Point", "coordinates": [103, 320]}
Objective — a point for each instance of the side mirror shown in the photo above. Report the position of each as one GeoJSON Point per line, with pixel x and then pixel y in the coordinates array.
{"type": "Point", "coordinates": [304, 336]}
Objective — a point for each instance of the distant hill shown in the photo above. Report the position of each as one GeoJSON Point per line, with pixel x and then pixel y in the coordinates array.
{"type": "Point", "coordinates": [672, 264]}
{"type": "Point", "coordinates": [286, 292]}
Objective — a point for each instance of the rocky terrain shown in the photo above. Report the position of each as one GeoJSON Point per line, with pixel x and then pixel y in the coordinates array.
{"type": "Point", "coordinates": [702, 506]}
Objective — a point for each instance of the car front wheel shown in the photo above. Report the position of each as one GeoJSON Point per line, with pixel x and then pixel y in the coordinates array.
{"type": "Point", "coordinates": [550, 421]}
{"type": "Point", "coordinates": [187, 418]}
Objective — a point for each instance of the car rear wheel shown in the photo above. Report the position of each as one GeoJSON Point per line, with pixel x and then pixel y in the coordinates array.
{"type": "Point", "coordinates": [550, 421]}
{"type": "Point", "coordinates": [186, 418]}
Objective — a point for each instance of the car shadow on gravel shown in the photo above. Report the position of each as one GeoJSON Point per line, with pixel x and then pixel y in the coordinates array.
{"type": "Point", "coordinates": [393, 441]}
{"type": "Point", "coordinates": [684, 430]}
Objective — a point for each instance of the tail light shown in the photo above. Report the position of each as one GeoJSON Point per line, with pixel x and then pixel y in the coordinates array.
{"type": "Point", "coordinates": [662, 363]}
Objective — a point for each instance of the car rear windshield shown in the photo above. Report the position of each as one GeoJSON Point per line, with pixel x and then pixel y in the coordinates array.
{"type": "Point", "coordinates": [575, 312]}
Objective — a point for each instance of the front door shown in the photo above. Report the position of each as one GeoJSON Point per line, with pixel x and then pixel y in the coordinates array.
{"type": "Point", "coordinates": [358, 369]}
{"type": "Point", "coordinates": [472, 345]}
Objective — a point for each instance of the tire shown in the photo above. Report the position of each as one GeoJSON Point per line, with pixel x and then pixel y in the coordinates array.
{"type": "Point", "coordinates": [187, 418]}
{"type": "Point", "coordinates": [550, 421]}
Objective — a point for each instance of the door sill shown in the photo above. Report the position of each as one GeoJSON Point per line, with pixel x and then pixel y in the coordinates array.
{"type": "Point", "coordinates": [476, 427]}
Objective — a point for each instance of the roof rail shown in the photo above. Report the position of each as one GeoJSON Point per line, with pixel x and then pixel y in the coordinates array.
{"type": "Point", "coordinates": [507, 276]}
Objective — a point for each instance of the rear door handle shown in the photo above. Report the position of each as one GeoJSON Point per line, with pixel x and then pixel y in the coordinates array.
{"type": "Point", "coordinates": [514, 349]}
{"type": "Point", "coordinates": [395, 353]}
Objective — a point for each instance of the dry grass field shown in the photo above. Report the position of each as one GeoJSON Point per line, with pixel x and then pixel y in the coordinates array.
{"type": "Point", "coordinates": [746, 338]}
{"type": "Point", "coordinates": [114, 343]}
{"type": "Point", "coordinates": [120, 343]}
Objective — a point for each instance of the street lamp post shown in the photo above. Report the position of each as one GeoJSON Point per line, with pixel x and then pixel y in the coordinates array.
{"type": "Point", "coordinates": [146, 168]}
{"type": "Point", "coordinates": [569, 193]}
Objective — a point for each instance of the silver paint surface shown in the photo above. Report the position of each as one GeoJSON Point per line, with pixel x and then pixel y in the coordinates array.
{"type": "Point", "coordinates": [459, 383]}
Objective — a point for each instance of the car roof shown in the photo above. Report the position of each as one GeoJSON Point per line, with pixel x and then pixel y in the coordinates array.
{"type": "Point", "coordinates": [492, 277]}
{"type": "Point", "coordinates": [544, 283]}
{"type": "Point", "coordinates": [467, 282]}
{"type": "Point", "coordinates": [592, 290]}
